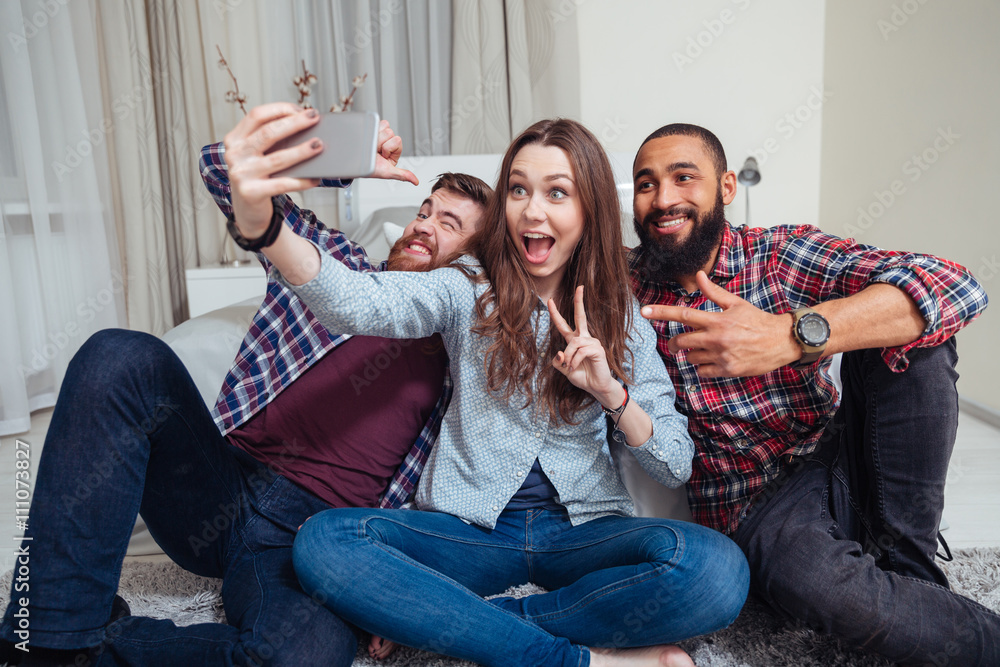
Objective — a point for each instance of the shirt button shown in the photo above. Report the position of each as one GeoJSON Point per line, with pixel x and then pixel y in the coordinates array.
{"type": "Point", "coordinates": [495, 508]}
{"type": "Point", "coordinates": [537, 434]}
{"type": "Point", "coordinates": [688, 299]}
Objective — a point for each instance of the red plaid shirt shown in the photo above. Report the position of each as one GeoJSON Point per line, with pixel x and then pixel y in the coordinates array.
{"type": "Point", "coordinates": [742, 427]}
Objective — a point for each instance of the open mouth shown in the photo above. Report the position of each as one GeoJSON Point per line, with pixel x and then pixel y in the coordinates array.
{"type": "Point", "coordinates": [671, 224]}
{"type": "Point", "coordinates": [537, 247]}
{"type": "Point", "coordinates": [417, 248]}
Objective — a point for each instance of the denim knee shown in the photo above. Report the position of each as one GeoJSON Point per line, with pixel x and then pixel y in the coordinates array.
{"type": "Point", "coordinates": [802, 583]}
{"type": "Point", "coordinates": [111, 355]}
{"type": "Point", "coordinates": [713, 575]}
{"type": "Point", "coordinates": [321, 544]}
{"type": "Point", "coordinates": [723, 577]}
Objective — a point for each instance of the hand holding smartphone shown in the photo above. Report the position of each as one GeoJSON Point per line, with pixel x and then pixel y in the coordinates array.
{"type": "Point", "coordinates": [350, 142]}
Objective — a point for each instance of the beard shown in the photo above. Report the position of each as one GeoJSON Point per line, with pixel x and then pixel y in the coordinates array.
{"type": "Point", "coordinates": [400, 261]}
{"type": "Point", "coordinates": [669, 260]}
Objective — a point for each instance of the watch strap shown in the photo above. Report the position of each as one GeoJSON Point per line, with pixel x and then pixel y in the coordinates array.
{"type": "Point", "coordinates": [267, 239]}
{"type": "Point", "coordinates": [810, 353]}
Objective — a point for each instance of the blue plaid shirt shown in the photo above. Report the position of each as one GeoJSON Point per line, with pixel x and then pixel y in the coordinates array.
{"type": "Point", "coordinates": [285, 339]}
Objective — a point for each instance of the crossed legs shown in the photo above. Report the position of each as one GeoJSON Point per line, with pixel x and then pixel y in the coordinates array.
{"type": "Point", "coordinates": [418, 578]}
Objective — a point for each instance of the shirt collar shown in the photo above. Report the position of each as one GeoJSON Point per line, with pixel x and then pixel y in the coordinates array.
{"type": "Point", "coordinates": [732, 258]}
{"type": "Point", "coordinates": [729, 263]}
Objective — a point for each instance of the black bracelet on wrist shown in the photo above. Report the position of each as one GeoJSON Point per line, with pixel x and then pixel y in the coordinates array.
{"type": "Point", "coordinates": [265, 240]}
{"type": "Point", "coordinates": [615, 416]}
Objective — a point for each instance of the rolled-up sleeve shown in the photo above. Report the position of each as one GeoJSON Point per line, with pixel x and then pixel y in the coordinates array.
{"type": "Point", "coordinates": [821, 267]}
{"type": "Point", "coordinates": [947, 295]}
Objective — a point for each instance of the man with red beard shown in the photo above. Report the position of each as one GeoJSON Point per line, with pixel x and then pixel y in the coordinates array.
{"type": "Point", "coordinates": [306, 420]}
{"type": "Point", "coordinates": [835, 499]}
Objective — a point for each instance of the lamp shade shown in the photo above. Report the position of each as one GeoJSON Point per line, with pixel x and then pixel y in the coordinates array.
{"type": "Point", "coordinates": [749, 174]}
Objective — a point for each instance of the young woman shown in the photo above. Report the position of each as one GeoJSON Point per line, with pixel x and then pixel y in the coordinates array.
{"type": "Point", "coordinates": [522, 485]}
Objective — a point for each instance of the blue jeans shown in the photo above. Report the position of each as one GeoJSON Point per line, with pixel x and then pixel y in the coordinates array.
{"type": "Point", "coordinates": [418, 578]}
{"type": "Point", "coordinates": [845, 539]}
{"type": "Point", "coordinates": [130, 434]}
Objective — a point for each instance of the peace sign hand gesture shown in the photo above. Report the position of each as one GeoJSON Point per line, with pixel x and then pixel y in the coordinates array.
{"type": "Point", "coordinates": [584, 362]}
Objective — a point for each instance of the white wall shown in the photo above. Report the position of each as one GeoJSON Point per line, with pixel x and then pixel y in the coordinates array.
{"type": "Point", "coordinates": [918, 80]}
{"type": "Point", "coordinates": [741, 68]}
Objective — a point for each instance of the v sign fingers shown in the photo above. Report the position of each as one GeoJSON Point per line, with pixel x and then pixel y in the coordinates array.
{"type": "Point", "coordinates": [584, 362]}
{"type": "Point", "coordinates": [557, 319]}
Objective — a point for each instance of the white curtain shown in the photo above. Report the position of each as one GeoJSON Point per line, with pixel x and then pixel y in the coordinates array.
{"type": "Point", "coordinates": [60, 279]}
{"type": "Point", "coordinates": [514, 62]}
{"type": "Point", "coordinates": [403, 47]}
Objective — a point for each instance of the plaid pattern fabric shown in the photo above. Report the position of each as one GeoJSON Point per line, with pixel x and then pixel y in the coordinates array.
{"type": "Point", "coordinates": [744, 428]}
{"type": "Point", "coordinates": [285, 339]}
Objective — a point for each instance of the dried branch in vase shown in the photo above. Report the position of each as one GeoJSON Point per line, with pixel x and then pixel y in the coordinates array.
{"type": "Point", "coordinates": [348, 100]}
{"type": "Point", "coordinates": [303, 83]}
{"type": "Point", "coordinates": [232, 96]}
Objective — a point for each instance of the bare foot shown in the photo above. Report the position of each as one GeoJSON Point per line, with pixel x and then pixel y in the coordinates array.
{"type": "Point", "coordinates": [380, 649]}
{"type": "Point", "coordinates": [651, 656]}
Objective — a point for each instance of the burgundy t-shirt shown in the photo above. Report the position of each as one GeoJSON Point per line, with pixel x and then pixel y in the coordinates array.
{"type": "Point", "coordinates": [342, 429]}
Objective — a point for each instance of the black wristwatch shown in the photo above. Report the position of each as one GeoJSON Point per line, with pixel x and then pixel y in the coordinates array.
{"type": "Point", "coordinates": [811, 331]}
{"type": "Point", "coordinates": [269, 236]}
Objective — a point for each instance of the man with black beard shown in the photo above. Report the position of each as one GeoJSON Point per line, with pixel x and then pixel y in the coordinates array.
{"type": "Point", "coordinates": [835, 504]}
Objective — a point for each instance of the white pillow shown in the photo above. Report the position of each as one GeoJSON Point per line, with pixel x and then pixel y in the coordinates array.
{"type": "Point", "coordinates": [392, 233]}
{"type": "Point", "coordinates": [372, 233]}
{"type": "Point", "coordinates": [208, 344]}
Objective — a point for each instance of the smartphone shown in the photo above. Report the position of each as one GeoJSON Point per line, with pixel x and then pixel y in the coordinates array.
{"type": "Point", "coordinates": [350, 140]}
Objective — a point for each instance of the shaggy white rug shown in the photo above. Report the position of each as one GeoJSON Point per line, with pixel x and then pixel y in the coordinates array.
{"type": "Point", "coordinates": [756, 639]}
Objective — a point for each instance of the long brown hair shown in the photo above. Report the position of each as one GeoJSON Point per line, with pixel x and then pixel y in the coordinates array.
{"type": "Point", "coordinates": [598, 264]}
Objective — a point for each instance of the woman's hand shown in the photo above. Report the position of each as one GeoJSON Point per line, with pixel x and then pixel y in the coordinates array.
{"type": "Point", "coordinates": [584, 362]}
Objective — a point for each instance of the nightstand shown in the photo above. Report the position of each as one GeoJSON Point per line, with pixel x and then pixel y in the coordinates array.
{"type": "Point", "coordinates": [210, 288]}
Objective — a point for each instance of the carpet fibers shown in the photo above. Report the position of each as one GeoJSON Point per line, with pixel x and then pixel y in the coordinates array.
{"type": "Point", "coordinates": [756, 639]}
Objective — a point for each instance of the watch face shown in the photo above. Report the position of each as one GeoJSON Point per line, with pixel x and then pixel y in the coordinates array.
{"type": "Point", "coordinates": [814, 330]}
